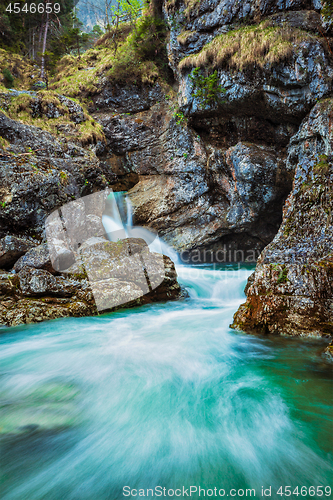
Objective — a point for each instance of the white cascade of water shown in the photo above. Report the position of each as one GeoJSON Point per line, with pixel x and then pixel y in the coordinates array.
{"type": "Point", "coordinates": [118, 224]}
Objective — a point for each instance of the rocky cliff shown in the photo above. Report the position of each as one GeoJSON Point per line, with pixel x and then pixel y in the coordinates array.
{"type": "Point", "coordinates": [291, 291]}
{"type": "Point", "coordinates": [227, 157]}
{"type": "Point", "coordinates": [210, 163]}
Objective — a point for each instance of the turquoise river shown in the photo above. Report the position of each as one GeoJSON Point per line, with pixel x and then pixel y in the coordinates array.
{"type": "Point", "coordinates": [164, 396]}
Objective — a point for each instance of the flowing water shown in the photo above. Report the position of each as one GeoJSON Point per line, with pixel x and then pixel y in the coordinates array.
{"type": "Point", "coordinates": [163, 395]}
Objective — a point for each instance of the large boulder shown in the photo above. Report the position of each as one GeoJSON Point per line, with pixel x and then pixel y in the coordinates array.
{"type": "Point", "coordinates": [125, 271]}
{"type": "Point", "coordinates": [11, 248]}
{"type": "Point", "coordinates": [38, 258]}
{"type": "Point", "coordinates": [106, 277]}
{"type": "Point", "coordinates": [38, 282]}
{"type": "Point", "coordinates": [291, 291]}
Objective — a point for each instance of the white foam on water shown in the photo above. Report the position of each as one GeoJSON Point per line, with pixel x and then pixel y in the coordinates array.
{"type": "Point", "coordinates": [167, 395]}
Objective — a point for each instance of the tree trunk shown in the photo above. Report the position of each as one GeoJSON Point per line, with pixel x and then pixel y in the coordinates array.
{"type": "Point", "coordinates": [78, 46]}
{"type": "Point", "coordinates": [42, 71]}
{"type": "Point", "coordinates": [33, 44]}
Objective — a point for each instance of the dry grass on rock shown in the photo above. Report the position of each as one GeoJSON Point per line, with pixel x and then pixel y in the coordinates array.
{"type": "Point", "coordinates": [250, 46]}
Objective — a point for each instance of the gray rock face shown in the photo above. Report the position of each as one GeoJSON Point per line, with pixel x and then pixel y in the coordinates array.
{"type": "Point", "coordinates": [194, 26]}
{"type": "Point", "coordinates": [11, 248]}
{"type": "Point", "coordinates": [197, 193]}
{"type": "Point", "coordinates": [38, 282]}
{"type": "Point", "coordinates": [49, 109]}
{"type": "Point", "coordinates": [111, 276]}
{"type": "Point", "coordinates": [291, 291]}
{"type": "Point", "coordinates": [23, 135]}
{"type": "Point", "coordinates": [131, 99]}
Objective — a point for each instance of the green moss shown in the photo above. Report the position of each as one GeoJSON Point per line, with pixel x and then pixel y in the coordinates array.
{"type": "Point", "coordinates": [191, 6]}
{"type": "Point", "coordinates": [8, 78]}
{"type": "Point", "coordinates": [90, 132]}
{"type": "Point", "coordinates": [184, 36]}
{"type": "Point", "coordinates": [282, 278]}
{"type": "Point", "coordinates": [322, 167]}
{"type": "Point", "coordinates": [15, 70]}
{"type": "Point", "coordinates": [179, 117]}
{"type": "Point", "coordinates": [3, 142]}
{"type": "Point", "coordinates": [64, 177]}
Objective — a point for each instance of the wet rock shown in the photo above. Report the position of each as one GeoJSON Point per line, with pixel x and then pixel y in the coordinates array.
{"type": "Point", "coordinates": [106, 277]}
{"type": "Point", "coordinates": [20, 309]}
{"type": "Point", "coordinates": [291, 292]}
{"type": "Point", "coordinates": [328, 352]}
{"type": "Point", "coordinates": [8, 283]}
{"type": "Point", "coordinates": [38, 282]}
{"type": "Point", "coordinates": [11, 248]}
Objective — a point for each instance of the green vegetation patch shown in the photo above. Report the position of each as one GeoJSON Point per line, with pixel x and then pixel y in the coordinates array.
{"type": "Point", "coordinates": [206, 88]}
{"type": "Point", "coordinates": [250, 46]}
{"type": "Point", "coordinates": [138, 57]}
{"type": "Point", "coordinates": [322, 167]}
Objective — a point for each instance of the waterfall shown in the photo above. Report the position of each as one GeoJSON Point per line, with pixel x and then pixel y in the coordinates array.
{"type": "Point", "coordinates": [118, 224]}
{"type": "Point", "coordinates": [115, 218]}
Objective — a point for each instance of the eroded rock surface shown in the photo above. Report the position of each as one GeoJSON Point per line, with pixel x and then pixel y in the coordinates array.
{"type": "Point", "coordinates": [11, 248]}
{"type": "Point", "coordinates": [194, 24]}
{"type": "Point", "coordinates": [38, 174]}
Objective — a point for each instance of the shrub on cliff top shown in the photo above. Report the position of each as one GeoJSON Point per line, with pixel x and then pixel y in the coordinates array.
{"type": "Point", "coordinates": [8, 78]}
{"type": "Point", "coordinates": [206, 88]}
{"type": "Point", "coordinates": [142, 58]}
{"type": "Point", "coordinates": [249, 46]}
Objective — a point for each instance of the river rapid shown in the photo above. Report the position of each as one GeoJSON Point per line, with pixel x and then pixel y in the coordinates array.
{"type": "Point", "coordinates": [163, 395]}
